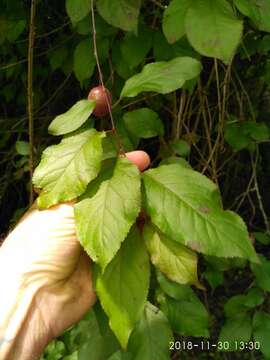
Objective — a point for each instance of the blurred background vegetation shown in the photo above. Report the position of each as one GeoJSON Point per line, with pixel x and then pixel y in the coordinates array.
{"type": "Point", "coordinates": [223, 132]}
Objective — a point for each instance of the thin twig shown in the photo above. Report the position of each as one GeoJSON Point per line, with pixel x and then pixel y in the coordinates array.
{"type": "Point", "coordinates": [120, 145]}
{"type": "Point", "coordinates": [100, 75]}
{"type": "Point", "coordinates": [163, 7]}
{"type": "Point", "coordinates": [257, 190]}
{"type": "Point", "coordinates": [180, 114]}
{"type": "Point", "coordinates": [30, 96]}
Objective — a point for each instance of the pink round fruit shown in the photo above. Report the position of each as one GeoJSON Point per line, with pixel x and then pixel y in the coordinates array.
{"type": "Point", "coordinates": [103, 99]}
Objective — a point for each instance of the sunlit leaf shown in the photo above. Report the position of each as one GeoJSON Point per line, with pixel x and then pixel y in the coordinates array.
{"type": "Point", "coordinates": [104, 219]}
{"type": "Point", "coordinates": [123, 286]}
{"type": "Point", "coordinates": [66, 169]}
{"type": "Point", "coordinates": [74, 118]}
{"type": "Point", "coordinates": [162, 77]}
{"type": "Point", "coordinates": [186, 206]}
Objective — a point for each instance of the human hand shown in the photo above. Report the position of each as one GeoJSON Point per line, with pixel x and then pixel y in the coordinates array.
{"type": "Point", "coordinates": [45, 277]}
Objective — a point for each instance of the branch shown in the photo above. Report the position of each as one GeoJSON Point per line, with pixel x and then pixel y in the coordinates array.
{"type": "Point", "coordinates": [30, 96]}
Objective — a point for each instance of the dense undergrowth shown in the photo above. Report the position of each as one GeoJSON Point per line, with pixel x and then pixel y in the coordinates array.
{"type": "Point", "coordinates": [218, 122]}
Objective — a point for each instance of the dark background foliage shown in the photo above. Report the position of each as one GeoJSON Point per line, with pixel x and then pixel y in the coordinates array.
{"type": "Point", "coordinates": [223, 133]}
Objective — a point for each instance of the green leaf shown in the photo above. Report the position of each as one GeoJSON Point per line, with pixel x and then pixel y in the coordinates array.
{"type": "Point", "coordinates": [254, 297]}
{"type": "Point", "coordinates": [78, 9]}
{"type": "Point", "coordinates": [161, 49]}
{"type": "Point", "coordinates": [92, 336]}
{"type": "Point", "coordinates": [66, 169]}
{"type": "Point", "coordinates": [123, 286]}
{"type": "Point", "coordinates": [175, 160]}
{"type": "Point", "coordinates": [187, 317]}
{"type": "Point", "coordinates": [257, 10]}
{"type": "Point", "coordinates": [143, 123]}
{"type": "Point", "coordinates": [261, 331]}
{"type": "Point", "coordinates": [181, 147]}
{"type": "Point", "coordinates": [186, 206]}
{"type": "Point", "coordinates": [174, 290]}
{"type": "Point", "coordinates": [162, 77]}
{"type": "Point", "coordinates": [22, 147]}
{"type": "Point", "coordinates": [242, 303]}
{"type": "Point", "coordinates": [120, 65]}
{"type": "Point", "coordinates": [130, 141]}
{"type": "Point", "coordinates": [121, 355]}
{"type": "Point", "coordinates": [236, 329]}
{"type": "Point", "coordinates": [16, 29]}
{"type": "Point", "coordinates": [135, 48]}
{"type": "Point", "coordinates": [176, 261]}
{"type": "Point", "coordinates": [173, 22]}
{"type": "Point", "coordinates": [120, 13]}
{"type": "Point", "coordinates": [262, 238]}
{"type": "Point", "coordinates": [104, 219]}
{"type": "Point", "coordinates": [84, 60]}
{"type": "Point", "coordinates": [257, 131]}
{"type": "Point", "coordinates": [58, 58]}
{"type": "Point", "coordinates": [55, 350]}
{"type": "Point", "coordinates": [212, 28]}
{"type": "Point", "coordinates": [74, 118]}
{"type": "Point", "coordinates": [214, 277]}
{"type": "Point", "coordinates": [262, 273]}
{"type": "Point", "coordinates": [152, 336]}
{"type": "Point", "coordinates": [236, 136]}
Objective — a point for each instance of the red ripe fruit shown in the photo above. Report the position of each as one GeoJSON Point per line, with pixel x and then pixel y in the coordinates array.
{"type": "Point", "coordinates": [103, 99]}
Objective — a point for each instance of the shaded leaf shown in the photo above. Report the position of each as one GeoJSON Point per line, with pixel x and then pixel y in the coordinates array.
{"type": "Point", "coordinates": [235, 330]}
{"type": "Point", "coordinates": [58, 57]}
{"type": "Point", "coordinates": [143, 123]}
{"type": "Point", "coordinates": [257, 10]}
{"type": "Point", "coordinates": [174, 290]}
{"type": "Point", "coordinates": [73, 119]}
{"type": "Point", "coordinates": [120, 13]}
{"type": "Point", "coordinates": [262, 238]}
{"type": "Point", "coordinates": [93, 336]}
{"type": "Point", "coordinates": [22, 147]}
{"type": "Point", "coordinates": [123, 286]}
{"type": "Point", "coordinates": [262, 273]}
{"type": "Point", "coordinates": [186, 206]}
{"type": "Point", "coordinates": [212, 28]}
{"type": "Point", "coordinates": [173, 23]}
{"type": "Point", "coordinates": [261, 331]}
{"type": "Point", "coordinates": [151, 336]}
{"type": "Point", "coordinates": [77, 9]}
{"type": "Point", "coordinates": [257, 131]}
{"type": "Point", "coordinates": [176, 261]}
{"type": "Point", "coordinates": [236, 136]}
{"type": "Point", "coordinates": [214, 277]}
{"type": "Point", "coordinates": [121, 355]}
{"type": "Point", "coordinates": [84, 60]}
{"type": "Point", "coordinates": [16, 29]}
{"type": "Point", "coordinates": [135, 48]}
{"type": "Point", "coordinates": [104, 219]}
{"type": "Point", "coordinates": [242, 303]}
{"type": "Point", "coordinates": [181, 147]}
{"type": "Point", "coordinates": [162, 77]}
{"type": "Point", "coordinates": [187, 317]}
{"type": "Point", "coordinates": [66, 169]}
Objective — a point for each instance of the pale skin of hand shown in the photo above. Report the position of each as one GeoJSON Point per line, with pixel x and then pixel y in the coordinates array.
{"type": "Point", "coordinates": [45, 278]}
